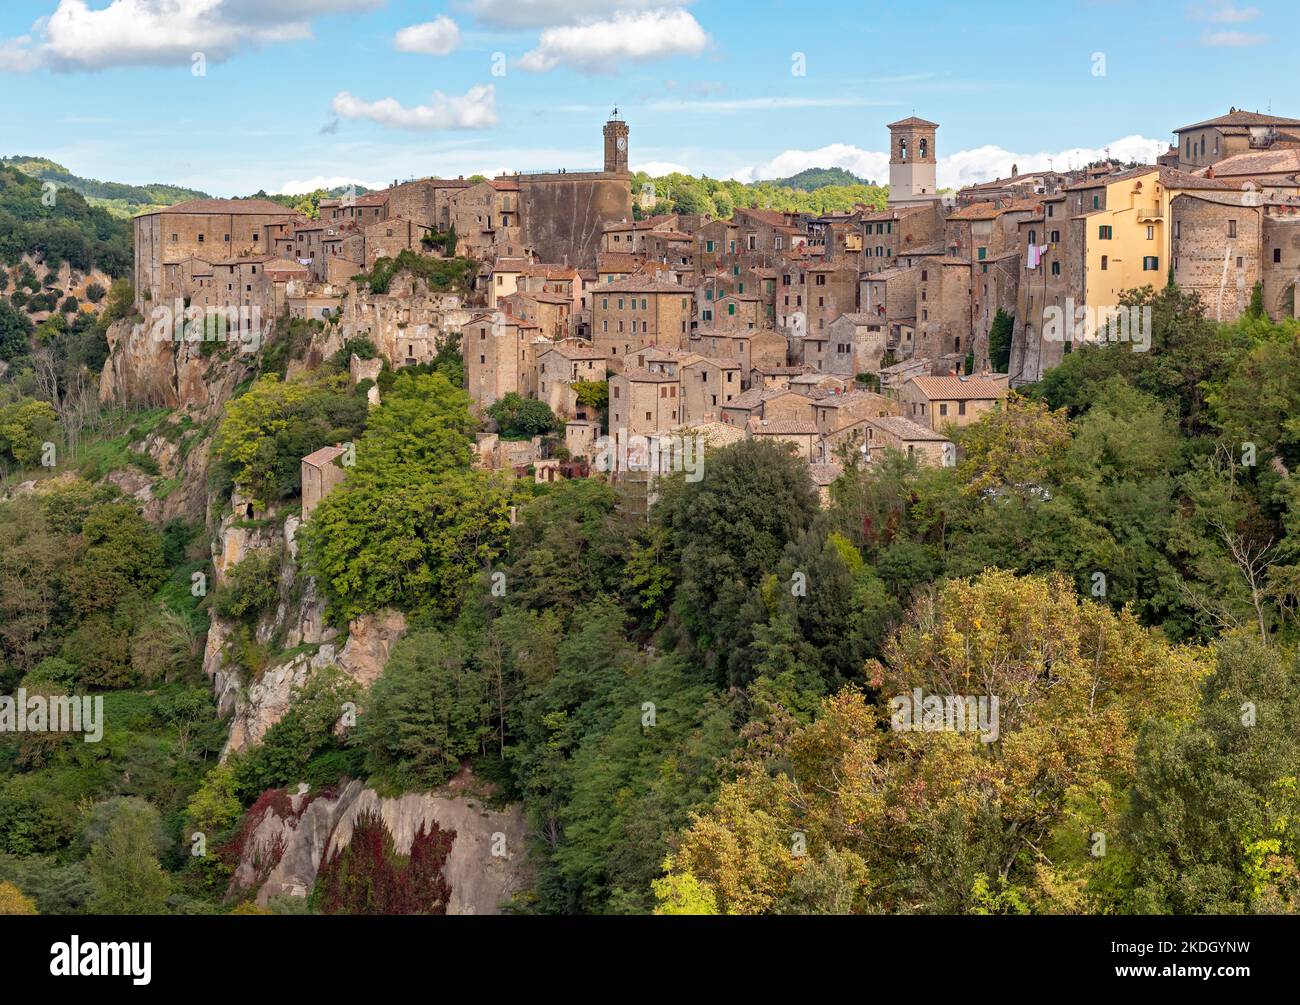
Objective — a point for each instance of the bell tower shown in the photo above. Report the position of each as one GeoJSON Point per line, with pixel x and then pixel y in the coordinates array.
{"type": "Point", "coordinates": [912, 162]}
{"type": "Point", "coordinates": [615, 145]}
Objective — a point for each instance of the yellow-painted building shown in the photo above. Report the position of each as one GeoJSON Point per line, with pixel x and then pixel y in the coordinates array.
{"type": "Point", "coordinates": [1121, 229]}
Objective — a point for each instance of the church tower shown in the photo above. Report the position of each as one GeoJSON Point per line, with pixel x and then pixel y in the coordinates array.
{"type": "Point", "coordinates": [616, 145]}
{"type": "Point", "coordinates": [912, 162]}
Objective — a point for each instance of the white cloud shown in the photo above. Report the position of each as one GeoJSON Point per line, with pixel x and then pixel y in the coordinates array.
{"type": "Point", "coordinates": [657, 169]}
{"type": "Point", "coordinates": [602, 46]}
{"type": "Point", "coordinates": [1234, 15]}
{"type": "Point", "coordinates": [476, 109]}
{"type": "Point", "coordinates": [433, 38]}
{"type": "Point", "coordinates": [1232, 39]}
{"type": "Point", "coordinates": [162, 32]}
{"type": "Point", "coordinates": [17, 56]}
{"type": "Point", "coordinates": [863, 163]}
{"type": "Point", "coordinates": [548, 13]}
{"type": "Point", "coordinates": [965, 167]}
{"type": "Point", "coordinates": [305, 185]}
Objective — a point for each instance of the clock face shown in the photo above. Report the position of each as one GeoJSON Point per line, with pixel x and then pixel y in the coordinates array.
{"type": "Point", "coordinates": [621, 142]}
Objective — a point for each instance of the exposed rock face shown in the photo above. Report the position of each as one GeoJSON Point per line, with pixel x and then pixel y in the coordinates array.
{"type": "Point", "coordinates": [269, 698]}
{"type": "Point", "coordinates": [485, 868]}
{"type": "Point", "coordinates": [371, 638]}
{"type": "Point", "coordinates": [146, 367]}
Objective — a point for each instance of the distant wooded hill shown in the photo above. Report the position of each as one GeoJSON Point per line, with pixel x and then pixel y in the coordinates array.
{"type": "Point", "coordinates": [122, 200]}
{"type": "Point", "coordinates": [817, 190]}
{"type": "Point", "coordinates": [64, 228]}
{"type": "Point", "coordinates": [811, 179]}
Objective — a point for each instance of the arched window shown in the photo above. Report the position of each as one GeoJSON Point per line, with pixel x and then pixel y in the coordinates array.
{"type": "Point", "coordinates": [902, 149]}
{"type": "Point", "coordinates": [924, 146]}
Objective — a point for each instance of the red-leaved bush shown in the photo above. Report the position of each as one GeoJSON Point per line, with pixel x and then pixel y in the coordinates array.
{"type": "Point", "coordinates": [369, 877]}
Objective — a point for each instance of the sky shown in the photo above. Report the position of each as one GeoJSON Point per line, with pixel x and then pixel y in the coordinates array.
{"type": "Point", "coordinates": [236, 96]}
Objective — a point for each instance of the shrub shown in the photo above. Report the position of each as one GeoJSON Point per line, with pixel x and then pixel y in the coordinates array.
{"type": "Point", "coordinates": [252, 586]}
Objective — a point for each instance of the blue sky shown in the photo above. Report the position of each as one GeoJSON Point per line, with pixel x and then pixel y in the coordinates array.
{"type": "Point", "coordinates": [298, 91]}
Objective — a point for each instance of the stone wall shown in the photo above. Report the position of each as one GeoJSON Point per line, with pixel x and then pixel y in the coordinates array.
{"type": "Point", "coordinates": [564, 215]}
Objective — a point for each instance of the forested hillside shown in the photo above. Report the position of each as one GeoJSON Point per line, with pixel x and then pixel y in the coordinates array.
{"type": "Point", "coordinates": [119, 199]}
{"type": "Point", "coordinates": [820, 192]}
{"type": "Point", "coordinates": [694, 711]}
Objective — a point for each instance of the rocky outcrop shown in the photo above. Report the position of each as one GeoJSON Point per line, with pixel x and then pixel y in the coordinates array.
{"type": "Point", "coordinates": [283, 851]}
{"type": "Point", "coordinates": [268, 699]}
{"type": "Point", "coordinates": [145, 366]}
{"type": "Point", "coordinates": [371, 638]}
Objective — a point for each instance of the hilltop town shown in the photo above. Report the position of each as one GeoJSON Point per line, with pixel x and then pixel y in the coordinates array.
{"type": "Point", "coordinates": [857, 331]}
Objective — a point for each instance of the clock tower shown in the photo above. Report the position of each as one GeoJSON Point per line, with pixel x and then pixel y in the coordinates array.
{"type": "Point", "coordinates": [616, 145]}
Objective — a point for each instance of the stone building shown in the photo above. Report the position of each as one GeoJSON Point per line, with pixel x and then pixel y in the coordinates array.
{"type": "Point", "coordinates": [322, 470]}
{"type": "Point", "coordinates": [638, 312]}
{"type": "Point", "coordinates": [562, 365]}
{"type": "Point", "coordinates": [1203, 144]}
{"type": "Point", "coordinates": [207, 229]}
{"type": "Point", "coordinates": [388, 238]}
{"type": "Point", "coordinates": [893, 432]}
{"type": "Point", "coordinates": [941, 401]}
{"type": "Point", "coordinates": [498, 356]}
{"type": "Point", "coordinates": [1216, 249]}
{"type": "Point", "coordinates": [641, 403]}
{"type": "Point", "coordinates": [708, 385]}
{"type": "Point", "coordinates": [913, 162]}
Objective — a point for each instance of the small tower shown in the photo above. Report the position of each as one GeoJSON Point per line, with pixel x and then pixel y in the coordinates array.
{"type": "Point", "coordinates": [912, 162]}
{"type": "Point", "coordinates": [615, 145]}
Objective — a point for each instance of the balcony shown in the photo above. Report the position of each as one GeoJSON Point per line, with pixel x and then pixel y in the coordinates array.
{"type": "Point", "coordinates": [1155, 215]}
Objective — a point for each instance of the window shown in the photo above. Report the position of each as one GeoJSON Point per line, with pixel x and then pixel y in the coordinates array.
{"type": "Point", "coordinates": [1277, 255]}
{"type": "Point", "coordinates": [1151, 233]}
{"type": "Point", "coordinates": [200, 239]}
{"type": "Point", "coordinates": [1150, 264]}
{"type": "Point", "coordinates": [731, 309]}
{"type": "Point", "coordinates": [1105, 232]}
{"type": "Point", "coordinates": [821, 279]}
{"type": "Point", "coordinates": [961, 408]}
{"type": "Point", "coordinates": [925, 275]}
{"type": "Point", "coordinates": [943, 408]}
{"type": "Point", "coordinates": [176, 237]}
{"type": "Point", "coordinates": [1056, 268]}
{"type": "Point", "coordinates": [1096, 202]}
{"type": "Point", "coordinates": [1056, 237]}
{"type": "Point", "coordinates": [708, 247]}
{"type": "Point", "coordinates": [1051, 210]}
{"type": "Point", "coordinates": [604, 303]}
{"type": "Point", "coordinates": [982, 253]}
{"type": "Point", "coordinates": [1033, 237]}
{"type": "Point", "coordinates": [1232, 228]}
{"type": "Point", "coordinates": [1105, 263]}
{"type": "Point", "coordinates": [1178, 228]}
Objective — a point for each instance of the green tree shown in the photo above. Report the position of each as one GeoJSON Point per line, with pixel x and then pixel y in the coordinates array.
{"type": "Point", "coordinates": [428, 710]}
{"type": "Point", "coordinates": [124, 869]}
{"type": "Point", "coordinates": [519, 418]}
{"type": "Point", "coordinates": [267, 431]}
